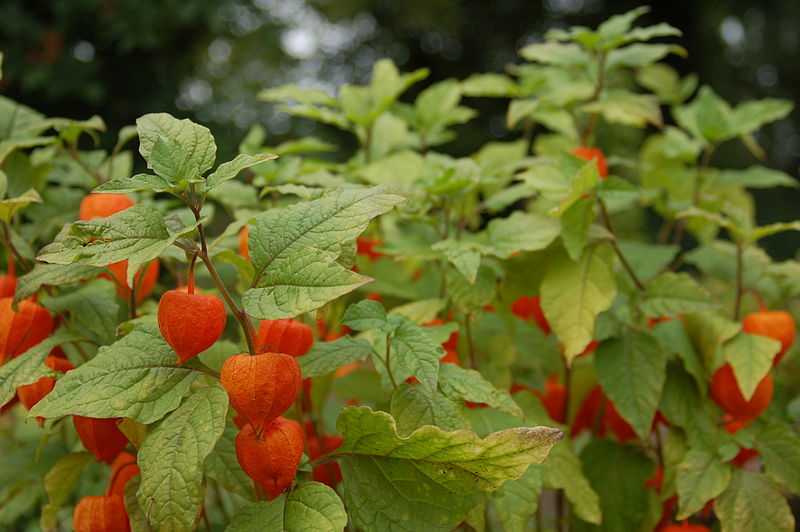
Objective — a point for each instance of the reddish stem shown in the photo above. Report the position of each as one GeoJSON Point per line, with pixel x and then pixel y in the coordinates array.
{"type": "Point", "coordinates": [190, 285]}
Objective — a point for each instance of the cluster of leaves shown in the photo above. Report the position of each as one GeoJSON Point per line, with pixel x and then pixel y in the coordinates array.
{"type": "Point", "coordinates": [419, 323]}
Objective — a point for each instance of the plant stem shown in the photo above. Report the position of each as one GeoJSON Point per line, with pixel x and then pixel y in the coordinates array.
{"type": "Point", "coordinates": [388, 362]}
{"type": "Point", "coordinates": [240, 314]}
{"type": "Point", "coordinates": [622, 259]}
{"type": "Point", "coordinates": [8, 242]}
{"type": "Point", "coordinates": [704, 162]}
{"type": "Point", "coordinates": [470, 345]}
{"type": "Point", "coordinates": [72, 151]}
{"type": "Point", "coordinates": [739, 281]}
{"type": "Point", "coordinates": [598, 88]}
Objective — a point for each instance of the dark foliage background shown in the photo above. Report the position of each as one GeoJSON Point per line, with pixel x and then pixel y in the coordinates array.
{"type": "Point", "coordinates": [207, 60]}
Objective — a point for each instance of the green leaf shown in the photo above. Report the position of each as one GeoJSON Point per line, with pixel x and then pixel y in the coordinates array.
{"type": "Point", "coordinates": [222, 465]}
{"type": "Point", "coordinates": [196, 140]}
{"type": "Point", "coordinates": [639, 55]}
{"type": "Point", "coordinates": [573, 294]}
{"type": "Point", "coordinates": [136, 515]}
{"type": "Point", "coordinates": [295, 251]}
{"type": "Point", "coordinates": [582, 184]}
{"type": "Point", "coordinates": [750, 356]}
{"type": "Point", "coordinates": [138, 234]}
{"type": "Point", "coordinates": [779, 446]}
{"type": "Point", "coordinates": [520, 232]}
{"type": "Point", "coordinates": [134, 183]}
{"type": "Point", "coordinates": [471, 297]}
{"type": "Point", "coordinates": [325, 357]}
{"type": "Point", "coordinates": [94, 308]}
{"type": "Point", "coordinates": [563, 470]}
{"type": "Point", "coordinates": [701, 477]}
{"type": "Point", "coordinates": [467, 384]}
{"type": "Point", "coordinates": [551, 53]}
{"type": "Point", "coordinates": [415, 353]}
{"type": "Point", "coordinates": [575, 223]}
{"type": "Point", "coordinates": [312, 506]}
{"type": "Point", "coordinates": [170, 161]}
{"type": "Point", "coordinates": [52, 275]}
{"type": "Point", "coordinates": [231, 169]}
{"type": "Point", "coordinates": [671, 294]}
{"type": "Point", "coordinates": [627, 108]}
{"type": "Point", "coordinates": [617, 474]}
{"type": "Point", "coordinates": [489, 85]}
{"type": "Point", "coordinates": [753, 504]}
{"type": "Point", "coordinates": [59, 483]}
{"type": "Point", "coordinates": [401, 169]}
{"type": "Point", "coordinates": [646, 259]}
{"type": "Point", "coordinates": [137, 377]}
{"type": "Point", "coordinates": [366, 314]}
{"type": "Point", "coordinates": [632, 369]}
{"type": "Point", "coordinates": [464, 255]}
{"type": "Point", "coordinates": [297, 94]}
{"type": "Point", "coordinates": [421, 311]}
{"type": "Point", "coordinates": [756, 177]}
{"type": "Point", "coordinates": [29, 366]}
{"type": "Point", "coordinates": [412, 409]}
{"type": "Point", "coordinates": [750, 116]}
{"type": "Point", "coordinates": [517, 501]}
{"type": "Point", "coordinates": [171, 460]}
{"type": "Point", "coordinates": [431, 479]}
{"type": "Point", "coordinates": [9, 206]}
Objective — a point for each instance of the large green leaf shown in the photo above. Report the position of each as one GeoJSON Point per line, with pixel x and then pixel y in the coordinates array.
{"type": "Point", "coordinates": [750, 356]}
{"type": "Point", "coordinates": [311, 507]}
{"type": "Point", "coordinates": [632, 369]}
{"type": "Point", "coordinates": [430, 479]}
{"type": "Point", "coordinates": [94, 307]}
{"type": "Point", "coordinates": [520, 232]}
{"type": "Point", "coordinates": [137, 377]}
{"type": "Point", "coordinates": [671, 294]}
{"type": "Point", "coordinates": [617, 474]}
{"type": "Point", "coordinates": [194, 139]}
{"type": "Point", "coordinates": [138, 234]}
{"type": "Point", "coordinates": [701, 476]}
{"type": "Point", "coordinates": [29, 366]}
{"type": "Point", "coordinates": [779, 446]}
{"type": "Point", "coordinates": [752, 503]}
{"type": "Point", "coordinates": [563, 470]}
{"type": "Point", "coordinates": [171, 460]}
{"type": "Point", "coordinates": [295, 251]}
{"type": "Point", "coordinates": [573, 294]}
{"type": "Point", "coordinates": [52, 275]}
{"type": "Point", "coordinates": [412, 408]}
{"type": "Point", "coordinates": [415, 353]}
{"type": "Point", "coordinates": [467, 384]}
{"type": "Point", "coordinates": [517, 501]}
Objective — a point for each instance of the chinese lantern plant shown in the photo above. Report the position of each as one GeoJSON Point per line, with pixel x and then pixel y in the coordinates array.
{"type": "Point", "coordinates": [634, 360]}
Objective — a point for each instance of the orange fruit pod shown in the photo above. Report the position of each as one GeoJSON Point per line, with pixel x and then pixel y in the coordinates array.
{"type": "Point", "coordinates": [284, 336]}
{"type": "Point", "coordinates": [329, 473]}
{"type": "Point", "coordinates": [365, 245]}
{"type": "Point", "coordinates": [123, 469]}
{"type": "Point", "coordinates": [103, 205]}
{"type": "Point", "coordinates": [530, 307]}
{"type": "Point", "coordinates": [244, 249]}
{"type": "Point", "coordinates": [30, 394]}
{"type": "Point", "coordinates": [726, 393]}
{"type": "Point", "coordinates": [686, 527]}
{"type": "Point", "coordinates": [593, 154]}
{"type": "Point", "coordinates": [8, 282]}
{"type": "Point", "coordinates": [190, 322]}
{"type": "Point", "coordinates": [776, 324]}
{"type": "Point", "coordinates": [101, 513]}
{"type": "Point", "coordinates": [554, 398]}
{"type": "Point", "coordinates": [271, 456]}
{"type": "Point", "coordinates": [261, 387]}
{"type": "Point", "coordinates": [145, 284]}
{"type": "Point", "coordinates": [19, 331]}
{"type": "Point", "coordinates": [100, 436]}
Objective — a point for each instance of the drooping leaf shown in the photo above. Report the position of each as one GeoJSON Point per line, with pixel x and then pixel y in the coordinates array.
{"type": "Point", "coordinates": [231, 169]}
{"type": "Point", "coordinates": [701, 477]}
{"type": "Point", "coordinates": [430, 479]}
{"type": "Point", "coordinates": [366, 314]}
{"type": "Point", "coordinates": [469, 385]}
{"type": "Point", "coordinates": [59, 483]}
{"type": "Point", "coordinates": [221, 465]}
{"type": "Point", "coordinates": [750, 356]}
{"type": "Point", "coordinates": [779, 446]}
{"type": "Point", "coordinates": [11, 205]}
{"type": "Point", "coordinates": [671, 294]}
{"type": "Point", "coordinates": [573, 294]}
{"type": "Point", "coordinates": [171, 460]}
{"type": "Point", "coordinates": [517, 501]}
{"type": "Point", "coordinates": [752, 503]}
{"type": "Point", "coordinates": [52, 275]}
{"type": "Point", "coordinates": [414, 353]}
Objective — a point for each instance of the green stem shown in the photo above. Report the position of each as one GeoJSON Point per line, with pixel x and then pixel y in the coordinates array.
{"type": "Point", "coordinates": [470, 344]}
{"type": "Point", "coordinates": [388, 362]}
{"type": "Point", "coordinates": [737, 305]}
{"type": "Point", "coordinates": [622, 259]}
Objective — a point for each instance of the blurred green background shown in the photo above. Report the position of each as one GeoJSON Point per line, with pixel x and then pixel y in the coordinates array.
{"type": "Point", "coordinates": [207, 60]}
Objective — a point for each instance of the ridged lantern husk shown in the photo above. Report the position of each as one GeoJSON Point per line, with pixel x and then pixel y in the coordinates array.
{"type": "Point", "coordinates": [271, 456]}
{"type": "Point", "coordinates": [101, 513]}
{"type": "Point", "coordinates": [190, 323]}
{"type": "Point", "coordinates": [284, 336]}
{"type": "Point", "coordinates": [261, 387]}
{"type": "Point", "coordinates": [101, 437]}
